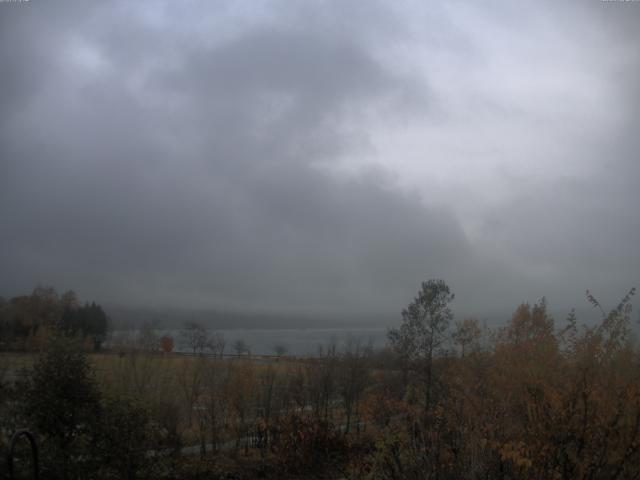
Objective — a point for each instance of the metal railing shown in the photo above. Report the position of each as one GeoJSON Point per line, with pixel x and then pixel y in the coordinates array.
{"type": "Point", "coordinates": [34, 453]}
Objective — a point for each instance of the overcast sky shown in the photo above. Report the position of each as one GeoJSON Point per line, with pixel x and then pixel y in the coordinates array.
{"type": "Point", "coordinates": [320, 157]}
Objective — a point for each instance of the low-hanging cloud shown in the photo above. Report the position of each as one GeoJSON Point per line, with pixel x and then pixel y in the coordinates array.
{"type": "Point", "coordinates": [197, 159]}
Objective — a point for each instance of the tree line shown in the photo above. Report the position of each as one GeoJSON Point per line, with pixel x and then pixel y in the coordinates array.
{"type": "Point", "coordinates": [28, 321]}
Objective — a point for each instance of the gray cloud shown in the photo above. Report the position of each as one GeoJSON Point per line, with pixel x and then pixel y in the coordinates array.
{"type": "Point", "coordinates": [222, 157]}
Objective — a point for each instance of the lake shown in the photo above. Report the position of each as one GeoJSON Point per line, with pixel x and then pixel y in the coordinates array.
{"type": "Point", "coordinates": [296, 341]}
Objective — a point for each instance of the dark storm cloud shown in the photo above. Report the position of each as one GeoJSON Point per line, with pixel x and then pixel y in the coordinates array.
{"type": "Point", "coordinates": [156, 155]}
{"type": "Point", "coordinates": [197, 186]}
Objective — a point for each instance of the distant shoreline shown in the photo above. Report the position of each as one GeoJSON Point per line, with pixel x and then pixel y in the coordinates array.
{"type": "Point", "coordinates": [297, 341]}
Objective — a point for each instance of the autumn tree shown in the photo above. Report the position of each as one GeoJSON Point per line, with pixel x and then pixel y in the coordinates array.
{"type": "Point", "coordinates": [353, 377]}
{"type": "Point", "coordinates": [215, 408]}
{"type": "Point", "coordinates": [191, 382]}
{"type": "Point", "coordinates": [166, 343]}
{"type": "Point", "coordinates": [23, 316]}
{"type": "Point", "coordinates": [423, 332]}
{"type": "Point", "coordinates": [241, 397]}
{"type": "Point", "coordinates": [599, 419]}
{"type": "Point", "coordinates": [322, 381]}
{"type": "Point", "coordinates": [466, 335]}
{"type": "Point", "coordinates": [295, 394]}
{"type": "Point", "coordinates": [267, 402]}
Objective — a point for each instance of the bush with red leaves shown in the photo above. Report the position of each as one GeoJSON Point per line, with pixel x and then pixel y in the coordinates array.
{"type": "Point", "coordinates": [303, 444]}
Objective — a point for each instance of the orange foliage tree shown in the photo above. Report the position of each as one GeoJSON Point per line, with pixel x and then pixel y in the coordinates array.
{"type": "Point", "coordinates": [166, 344]}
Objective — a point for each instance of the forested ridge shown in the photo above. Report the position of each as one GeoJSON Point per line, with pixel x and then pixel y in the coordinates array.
{"type": "Point", "coordinates": [448, 398]}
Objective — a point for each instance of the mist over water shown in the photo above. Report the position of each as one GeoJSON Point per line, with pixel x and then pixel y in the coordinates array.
{"type": "Point", "coordinates": [296, 341]}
